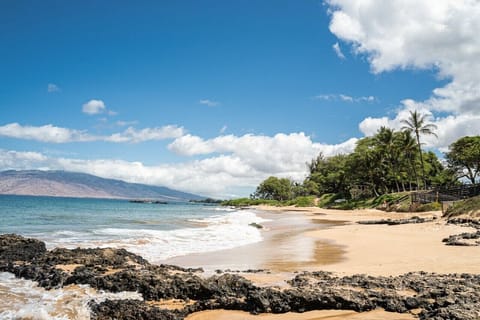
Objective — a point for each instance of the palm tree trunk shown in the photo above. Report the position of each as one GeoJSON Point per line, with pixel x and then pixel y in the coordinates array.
{"type": "Point", "coordinates": [412, 163]}
{"type": "Point", "coordinates": [421, 161]}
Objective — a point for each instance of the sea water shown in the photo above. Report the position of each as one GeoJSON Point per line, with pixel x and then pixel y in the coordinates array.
{"type": "Point", "coordinates": [154, 231]}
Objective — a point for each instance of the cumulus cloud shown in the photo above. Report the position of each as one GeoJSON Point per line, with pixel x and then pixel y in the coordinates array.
{"type": "Point", "coordinates": [338, 51]}
{"type": "Point", "coordinates": [46, 133]}
{"type": "Point", "coordinates": [283, 154]}
{"type": "Point", "coordinates": [21, 160]}
{"type": "Point", "coordinates": [449, 128]}
{"type": "Point", "coordinates": [94, 107]}
{"type": "Point", "coordinates": [52, 87]}
{"type": "Point", "coordinates": [344, 98]}
{"type": "Point", "coordinates": [209, 102]}
{"type": "Point", "coordinates": [407, 34]}
{"type": "Point", "coordinates": [52, 134]}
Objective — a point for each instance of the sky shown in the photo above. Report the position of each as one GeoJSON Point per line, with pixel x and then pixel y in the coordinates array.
{"type": "Point", "coordinates": [214, 96]}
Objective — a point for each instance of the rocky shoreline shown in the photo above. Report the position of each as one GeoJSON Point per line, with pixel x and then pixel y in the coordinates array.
{"type": "Point", "coordinates": [466, 238]}
{"type": "Point", "coordinates": [425, 295]}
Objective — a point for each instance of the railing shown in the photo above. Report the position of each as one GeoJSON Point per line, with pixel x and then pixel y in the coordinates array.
{"type": "Point", "coordinates": [397, 201]}
{"type": "Point", "coordinates": [443, 194]}
{"type": "Point", "coordinates": [463, 191]}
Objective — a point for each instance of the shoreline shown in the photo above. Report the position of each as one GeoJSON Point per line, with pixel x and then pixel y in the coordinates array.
{"type": "Point", "coordinates": [313, 239]}
{"type": "Point", "coordinates": [284, 249]}
{"type": "Point", "coordinates": [311, 261]}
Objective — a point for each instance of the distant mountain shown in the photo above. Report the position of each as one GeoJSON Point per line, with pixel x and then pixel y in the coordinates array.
{"type": "Point", "coordinates": [81, 185]}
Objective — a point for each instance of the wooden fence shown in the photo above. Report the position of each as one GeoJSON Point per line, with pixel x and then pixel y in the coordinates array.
{"type": "Point", "coordinates": [443, 195]}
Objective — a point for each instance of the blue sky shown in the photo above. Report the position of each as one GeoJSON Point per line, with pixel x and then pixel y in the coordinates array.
{"type": "Point", "coordinates": [214, 96]}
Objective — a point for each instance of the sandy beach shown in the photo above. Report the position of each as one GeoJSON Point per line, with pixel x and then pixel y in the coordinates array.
{"type": "Point", "coordinates": [313, 239]}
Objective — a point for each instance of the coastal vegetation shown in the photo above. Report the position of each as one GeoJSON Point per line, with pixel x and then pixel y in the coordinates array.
{"type": "Point", "coordinates": [469, 207]}
{"type": "Point", "coordinates": [382, 169]}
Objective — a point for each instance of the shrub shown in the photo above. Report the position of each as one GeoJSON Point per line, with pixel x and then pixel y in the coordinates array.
{"type": "Point", "coordinates": [304, 201]}
{"type": "Point", "coordinates": [469, 206]}
{"type": "Point", "coordinates": [327, 199]}
{"type": "Point", "coordinates": [433, 206]}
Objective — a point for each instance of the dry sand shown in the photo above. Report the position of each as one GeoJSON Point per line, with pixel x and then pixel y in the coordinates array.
{"type": "Point", "coordinates": [330, 240]}
{"type": "Point", "coordinates": [394, 250]}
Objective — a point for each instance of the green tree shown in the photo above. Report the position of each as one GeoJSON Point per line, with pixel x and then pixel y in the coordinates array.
{"type": "Point", "coordinates": [464, 157]}
{"type": "Point", "coordinates": [365, 164]}
{"type": "Point", "coordinates": [409, 147]}
{"type": "Point", "coordinates": [388, 144]}
{"type": "Point", "coordinates": [274, 188]}
{"type": "Point", "coordinates": [310, 188]}
{"type": "Point", "coordinates": [330, 174]}
{"type": "Point", "coordinates": [416, 124]}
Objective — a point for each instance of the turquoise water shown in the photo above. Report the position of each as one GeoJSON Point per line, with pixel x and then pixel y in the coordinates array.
{"type": "Point", "coordinates": [155, 231]}
{"type": "Point", "coordinates": [30, 215]}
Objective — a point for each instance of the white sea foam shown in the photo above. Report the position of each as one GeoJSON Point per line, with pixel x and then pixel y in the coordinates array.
{"type": "Point", "coordinates": [228, 209]}
{"type": "Point", "coordinates": [23, 299]}
{"type": "Point", "coordinates": [219, 232]}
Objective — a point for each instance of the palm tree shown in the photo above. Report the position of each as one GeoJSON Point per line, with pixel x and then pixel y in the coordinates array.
{"type": "Point", "coordinates": [409, 147]}
{"type": "Point", "coordinates": [416, 124]}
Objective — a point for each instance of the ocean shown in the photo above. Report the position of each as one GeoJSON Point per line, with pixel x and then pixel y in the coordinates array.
{"type": "Point", "coordinates": [157, 232]}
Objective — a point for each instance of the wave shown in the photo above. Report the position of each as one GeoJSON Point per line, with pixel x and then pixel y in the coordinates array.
{"type": "Point", "coordinates": [218, 232]}
{"type": "Point", "coordinates": [23, 299]}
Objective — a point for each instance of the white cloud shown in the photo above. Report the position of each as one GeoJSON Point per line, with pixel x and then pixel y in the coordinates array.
{"type": "Point", "coordinates": [370, 126]}
{"type": "Point", "coordinates": [449, 128]}
{"type": "Point", "coordinates": [282, 154]}
{"type": "Point", "coordinates": [94, 107]}
{"type": "Point", "coordinates": [338, 51]}
{"type": "Point", "coordinates": [345, 98]}
{"type": "Point", "coordinates": [46, 133]}
{"type": "Point", "coordinates": [148, 134]}
{"type": "Point", "coordinates": [209, 102]}
{"type": "Point", "coordinates": [407, 34]}
{"type": "Point", "coordinates": [20, 160]}
{"type": "Point", "coordinates": [52, 87]}
{"type": "Point", "coordinates": [52, 134]}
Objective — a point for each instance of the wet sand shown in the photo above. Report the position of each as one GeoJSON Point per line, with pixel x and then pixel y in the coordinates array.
{"type": "Point", "coordinates": [286, 248]}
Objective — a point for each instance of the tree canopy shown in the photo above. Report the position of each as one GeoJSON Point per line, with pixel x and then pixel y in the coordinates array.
{"type": "Point", "coordinates": [274, 188]}
{"type": "Point", "coordinates": [464, 157]}
{"type": "Point", "coordinates": [387, 162]}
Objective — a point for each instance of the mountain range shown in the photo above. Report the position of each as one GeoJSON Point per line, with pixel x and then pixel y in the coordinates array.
{"type": "Point", "coordinates": [81, 185]}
